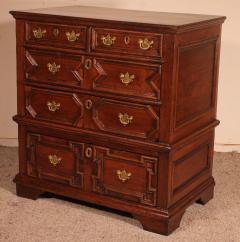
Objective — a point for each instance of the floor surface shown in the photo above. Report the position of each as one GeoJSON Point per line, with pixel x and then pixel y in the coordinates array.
{"type": "Point", "coordinates": [51, 219]}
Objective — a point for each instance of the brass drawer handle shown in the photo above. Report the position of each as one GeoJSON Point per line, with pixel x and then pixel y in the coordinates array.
{"type": "Point", "coordinates": [54, 160]}
{"type": "Point", "coordinates": [145, 44]}
{"type": "Point", "coordinates": [53, 106]}
{"type": "Point", "coordinates": [39, 33]}
{"type": "Point", "coordinates": [88, 152]}
{"type": "Point", "coordinates": [88, 104]}
{"type": "Point", "coordinates": [88, 64]}
{"type": "Point", "coordinates": [53, 68]}
{"type": "Point", "coordinates": [126, 78]}
{"type": "Point", "coordinates": [108, 40]}
{"type": "Point", "coordinates": [72, 36]}
{"type": "Point", "coordinates": [125, 119]}
{"type": "Point", "coordinates": [123, 175]}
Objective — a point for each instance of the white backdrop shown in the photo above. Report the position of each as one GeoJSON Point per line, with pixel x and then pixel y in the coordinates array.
{"type": "Point", "coordinates": [229, 83]}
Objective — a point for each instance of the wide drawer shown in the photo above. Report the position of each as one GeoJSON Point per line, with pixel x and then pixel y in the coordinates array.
{"type": "Point", "coordinates": [55, 159]}
{"type": "Point", "coordinates": [93, 113]}
{"type": "Point", "coordinates": [70, 36]}
{"type": "Point", "coordinates": [95, 169]}
{"type": "Point", "coordinates": [129, 42]}
{"type": "Point", "coordinates": [134, 79]}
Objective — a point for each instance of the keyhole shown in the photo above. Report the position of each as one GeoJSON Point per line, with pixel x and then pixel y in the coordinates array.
{"type": "Point", "coordinates": [127, 40]}
{"type": "Point", "coordinates": [88, 152]}
{"type": "Point", "coordinates": [88, 104]}
{"type": "Point", "coordinates": [88, 64]}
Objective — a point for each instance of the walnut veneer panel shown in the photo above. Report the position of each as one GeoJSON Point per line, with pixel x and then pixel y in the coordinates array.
{"type": "Point", "coordinates": [118, 108]}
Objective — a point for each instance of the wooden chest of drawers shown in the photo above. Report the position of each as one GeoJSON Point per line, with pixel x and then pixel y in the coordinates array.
{"type": "Point", "coordinates": [118, 108]}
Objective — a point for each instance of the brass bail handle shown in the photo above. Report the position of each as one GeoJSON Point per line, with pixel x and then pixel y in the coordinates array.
{"type": "Point", "coordinates": [145, 44]}
{"type": "Point", "coordinates": [53, 106]}
{"type": "Point", "coordinates": [123, 175]}
{"type": "Point", "coordinates": [54, 159]}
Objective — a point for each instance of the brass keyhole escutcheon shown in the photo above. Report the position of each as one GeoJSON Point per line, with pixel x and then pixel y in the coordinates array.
{"type": "Point", "coordinates": [123, 175]}
{"type": "Point", "coordinates": [88, 64]}
{"type": "Point", "coordinates": [88, 104]}
{"type": "Point", "coordinates": [88, 152]}
{"type": "Point", "coordinates": [126, 40]}
{"type": "Point", "coordinates": [56, 32]}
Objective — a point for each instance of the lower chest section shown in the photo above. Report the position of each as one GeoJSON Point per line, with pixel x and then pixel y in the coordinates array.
{"type": "Point", "coordinates": [91, 168]}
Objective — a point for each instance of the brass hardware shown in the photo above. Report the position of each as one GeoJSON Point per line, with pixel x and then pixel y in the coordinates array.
{"type": "Point", "coordinates": [72, 37]}
{"type": "Point", "coordinates": [125, 119]}
{"type": "Point", "coordinates": [53, 68]}
{"type": "Point", "coordinates": [53, 106]}
{"type": "Point", "coordinates": [145, 44]}
{"type": "Point", "coordinates": [88, 104]}
{"type": "Point", "coordinates": [123, 175]}
{"type": "Point", "coordinates": [39, 33]}
{"type": "Point", "coordinates": [126, 78]}
{"type": "Point", "coordinates": [54, 160]}
{"type": "Point", "coordinates": [126, 40]}
{"type": "Point", "coordinates": [108, 40]}
{"type": "Point", "coordinates": [88, 152]}
{"type": "Point", "coordinates": [56, 32]}
{"type": "Point", "coordinates": [88, 64]}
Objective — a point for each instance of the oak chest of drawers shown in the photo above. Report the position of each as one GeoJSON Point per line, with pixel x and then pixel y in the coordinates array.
{"type": "Point", "coordinates": [118, 108]}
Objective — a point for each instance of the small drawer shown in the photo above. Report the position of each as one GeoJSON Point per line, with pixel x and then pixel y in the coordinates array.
{"type": "Point", "coordinates": [55, 159]}
{"type": "Point", "coordinates": [129, 42]}
{"type": "Point", "coordinates": [125, 175]}
{"type": "Point", "coordinates": [56, 35]}
{"type": "Point", "coordinates": [58, 107]}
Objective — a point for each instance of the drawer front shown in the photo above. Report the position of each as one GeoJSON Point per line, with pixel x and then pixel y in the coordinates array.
{"type": "Point", "coordinates": [125, 175]}
{"type": "Point", "coordinates": [53, 68]}
{"type": "Point", "coordinates": [129, 42]}
{"type": "Point", "coordinates": [56, 35]}
{"type": "Point", "coordinates": [140, 121]}
{"type": "Point", "coordinates": [63, 108]}
{"type": "Point", "coordinates": [129, 79]}
{"type": "Point", "coordinates": [93, 113]}
{"type": "Point", "coordinates": [55, 159]}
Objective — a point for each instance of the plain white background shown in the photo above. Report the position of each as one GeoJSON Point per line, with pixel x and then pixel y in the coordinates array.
{"type": "Point", "coordinates": [227, 134]}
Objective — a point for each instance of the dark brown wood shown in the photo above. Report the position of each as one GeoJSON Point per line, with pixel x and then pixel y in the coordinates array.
{"type": "Point", "coordinates": [56, 35]}
{"type": "Point", "coordinates": [126, 42]}
{"type": "Point", "coordinates": [28, 192]}
{"type": "Point", "coordinates": [118, 123]}
{"type": "Point", "coordinates": [160, 225]}
{"type": "Point", "coordinates": [167, 22]}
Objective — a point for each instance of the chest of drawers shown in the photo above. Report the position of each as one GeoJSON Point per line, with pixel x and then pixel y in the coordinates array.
{"type": "Point", "coordinates": [118, 108]}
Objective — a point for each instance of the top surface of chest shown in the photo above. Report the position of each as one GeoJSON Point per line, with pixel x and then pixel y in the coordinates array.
{"type": "Point", "coordinates": [169, 21]}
